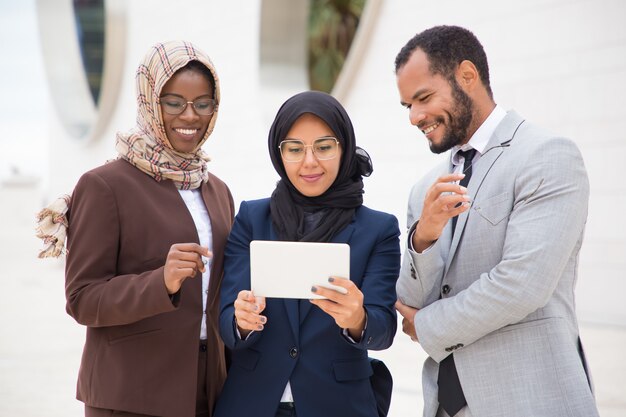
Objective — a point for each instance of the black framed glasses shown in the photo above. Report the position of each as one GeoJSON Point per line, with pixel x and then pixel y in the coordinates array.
{"type": "Point", "coordinates": [175, 105]}
{"type": "Point", "coordinates": [294, 150]}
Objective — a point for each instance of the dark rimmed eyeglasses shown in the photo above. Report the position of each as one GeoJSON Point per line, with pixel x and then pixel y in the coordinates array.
{"type": "Point", "coordinates": [174, 105]}
{"type": "Point", "coordinates": [294, 150]}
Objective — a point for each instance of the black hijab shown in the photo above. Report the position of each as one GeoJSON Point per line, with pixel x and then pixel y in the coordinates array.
{"type": "Point", "coordinates": [288, 206]}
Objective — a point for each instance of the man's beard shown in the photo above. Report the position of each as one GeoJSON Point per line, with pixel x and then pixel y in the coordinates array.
{"type": "Point", "coordinates": [459, 120]}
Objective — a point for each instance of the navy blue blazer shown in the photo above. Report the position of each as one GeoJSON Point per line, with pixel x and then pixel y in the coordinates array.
{"type": "Point", "coordinates": [329, 375]}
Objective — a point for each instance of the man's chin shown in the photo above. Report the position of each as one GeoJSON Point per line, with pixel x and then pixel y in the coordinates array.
{"type": "Point", "coordinates": [446, 143]}
{"type": "Point", "coordinates": [438, 148]}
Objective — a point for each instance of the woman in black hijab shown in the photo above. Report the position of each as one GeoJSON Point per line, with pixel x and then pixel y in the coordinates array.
{"type": "Point", "coordinates": [295, 357]}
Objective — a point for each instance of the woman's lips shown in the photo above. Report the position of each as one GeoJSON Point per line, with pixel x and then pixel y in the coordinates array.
{"type": "Point", "coordinates": [186, 132]}
{"type": "Point", "coordinates": [311, 178]}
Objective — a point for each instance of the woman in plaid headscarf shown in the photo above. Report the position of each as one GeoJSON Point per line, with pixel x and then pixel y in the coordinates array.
{"type": "Point", "coordinates": [145, 242]}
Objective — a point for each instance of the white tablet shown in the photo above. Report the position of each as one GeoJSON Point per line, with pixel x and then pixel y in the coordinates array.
{"type": "Point", "coordinates": [290, 269]}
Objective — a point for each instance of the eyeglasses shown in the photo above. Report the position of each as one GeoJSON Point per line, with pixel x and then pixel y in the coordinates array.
{"type": "Point", "coordinates": [176, 105]}
{"type": "Point", "coordinates": [294, 150]}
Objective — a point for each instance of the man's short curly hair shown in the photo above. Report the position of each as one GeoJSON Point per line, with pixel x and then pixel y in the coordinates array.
{"type": "Point", "coordinates": [446, 47]}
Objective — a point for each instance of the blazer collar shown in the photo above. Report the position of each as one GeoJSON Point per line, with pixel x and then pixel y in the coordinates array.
{"type": "Point", "coordinates": [499, 141]}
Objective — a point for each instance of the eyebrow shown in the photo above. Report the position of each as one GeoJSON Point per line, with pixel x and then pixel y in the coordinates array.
{"type": "Point", "coordinates": [321, 137]}
{"type": "Point", "coordinates": [415, 95]}
{"type": "Point", "coordinates": [178, 95]}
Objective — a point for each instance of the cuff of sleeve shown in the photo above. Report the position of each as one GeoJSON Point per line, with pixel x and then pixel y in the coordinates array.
{"type": "Point", "coordinates": [175, 298]}
{"type": "Point", "coordinates": [346, 333]}
{"type": "Point", "coordinates": [410, 242]}
{"type": "Point", "coordinates": [238, 333]}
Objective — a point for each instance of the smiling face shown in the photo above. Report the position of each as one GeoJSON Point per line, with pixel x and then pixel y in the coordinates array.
{"type": "Point", "coordinates": [310, 176]}
{"type": "Point", "coordinates": [438, 107]}
{"type": "Point", "coordinates": [186, 130]}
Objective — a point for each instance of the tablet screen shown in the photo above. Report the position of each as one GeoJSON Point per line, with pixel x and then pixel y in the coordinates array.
{"type": "Point", "coordinates": [289, 269]}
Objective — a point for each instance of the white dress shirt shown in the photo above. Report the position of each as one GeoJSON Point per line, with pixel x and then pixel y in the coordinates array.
{"type": "Point", "coordinates": [197, 209]}
{"type": "Point", "coordinates": [479, 139]}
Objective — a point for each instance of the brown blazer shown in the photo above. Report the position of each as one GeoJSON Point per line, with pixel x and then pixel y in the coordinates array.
{"type": "Point", "coordinates": [141, 349]}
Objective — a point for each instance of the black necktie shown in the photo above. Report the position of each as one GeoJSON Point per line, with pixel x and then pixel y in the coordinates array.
{"type": "Point", "coordinates": [451, 397]}
{"type": "Point", "coordinates": [467, 170]}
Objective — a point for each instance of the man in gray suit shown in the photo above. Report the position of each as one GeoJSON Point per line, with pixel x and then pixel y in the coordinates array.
{"type": "Point", "coordinates": [487, 282]}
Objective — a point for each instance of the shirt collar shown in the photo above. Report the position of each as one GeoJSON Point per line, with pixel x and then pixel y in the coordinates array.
{"type": "Point", "coordinates": [480, 138]}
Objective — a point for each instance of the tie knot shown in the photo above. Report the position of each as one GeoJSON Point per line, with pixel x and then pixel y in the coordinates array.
{"type": "Point", "coordinates": [468, 155]}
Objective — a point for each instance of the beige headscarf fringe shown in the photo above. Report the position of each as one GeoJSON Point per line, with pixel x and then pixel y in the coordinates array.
{"type": "Point", "coordinates": [52, 227]}
{"type": "Point", "coordinates": [146, 146]}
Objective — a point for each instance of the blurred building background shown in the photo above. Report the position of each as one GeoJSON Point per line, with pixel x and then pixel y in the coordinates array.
{"type": "Point", "coordinates": [67, 86]}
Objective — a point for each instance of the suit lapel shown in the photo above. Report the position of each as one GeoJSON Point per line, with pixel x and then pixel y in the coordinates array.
{"type": "Point", "coordinates": [219, 229]}
{"type": "Point", "coordinates": [342, 237]}
{"type": "Point", "coordinates": [499, 141]}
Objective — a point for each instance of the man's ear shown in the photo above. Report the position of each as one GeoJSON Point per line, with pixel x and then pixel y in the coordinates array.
{"type": "Point", "coordinates": [467, 76]}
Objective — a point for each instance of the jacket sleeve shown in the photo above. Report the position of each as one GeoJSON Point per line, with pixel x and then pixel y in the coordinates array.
{"type": "Point", "coordinates": [544, 231]}
{"type": "Point", "coordinates": [236, 279]}
{"type": "Point", "coordinates": [421, 273]}
{"type": "Point", "coordinates": [378, 287]}
{"type": "Point", "coordinates": [96, 295]}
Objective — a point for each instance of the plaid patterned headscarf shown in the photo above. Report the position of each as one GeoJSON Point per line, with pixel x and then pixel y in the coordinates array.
{"type": "Point", "coordinates": [146, 146]}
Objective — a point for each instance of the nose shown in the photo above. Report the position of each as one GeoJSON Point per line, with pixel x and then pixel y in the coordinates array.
{"type": "Point", "coordinates": [189, 113]}
{"type": "Point", "coordinates": [309, 156]}
{"type": "Point", "coordinates": [416, 115]}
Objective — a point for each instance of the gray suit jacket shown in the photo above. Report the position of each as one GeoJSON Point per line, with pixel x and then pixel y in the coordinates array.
{"type": "Point", "coordinates": [500, 294]}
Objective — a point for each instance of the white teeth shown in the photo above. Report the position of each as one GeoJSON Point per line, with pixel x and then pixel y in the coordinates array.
{"type": "Point", "coordinates": [430, 128]}
{"type": "Point", "coordinates": [187, 131]}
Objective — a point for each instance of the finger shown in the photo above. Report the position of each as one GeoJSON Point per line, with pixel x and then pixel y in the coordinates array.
{"type": "Point", "coordinates": [404, 310]}
{"type": "Point", "coordinates": [452, 177]}
{"type": "Point", "coordinates": [328, 293]}
{"type": "Point", "coordinates": [182, 255]}
{"type": "Point", "coordinates": [245, 295]}
{"type": "Point", "coordinates": [452, 201]}
{"type": "Point", "coordinates": [449, 187]}
{"type": "Point", "coordinates": [180, 264]}
{"type": "Point", "coordinates": [184, 273]}
{"type": "Point", "coordinates": [260, 302]}
{"type": "Point", "coordinates": [250, 317]}
{"type": "Point", "coordinates": [408, 329]}
{"type": "Point", "coordinates": [191, 247]}
{"type": "Point", "coordinates": [245, 305]}
{"type": "Point", "coordinates": [342, 282]}
{"type": "Point", "coordinates": [186, 256]}
{"type": "Point", "coordinates": [329, 307]}
{"type": "Point", "coordinates": [444, 188]}
{"type": "Point", "coordinates": [249, 324]}
{"type": "Point", "coordinates": [455, 210]}
{"type": "Point", "coordinates": [349, 293]}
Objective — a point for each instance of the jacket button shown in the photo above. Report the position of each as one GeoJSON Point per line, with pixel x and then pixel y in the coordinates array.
{"type": "Point", "coordinates": [293, 352]}
{"type": "Point", "coordinates": [445, 289]}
